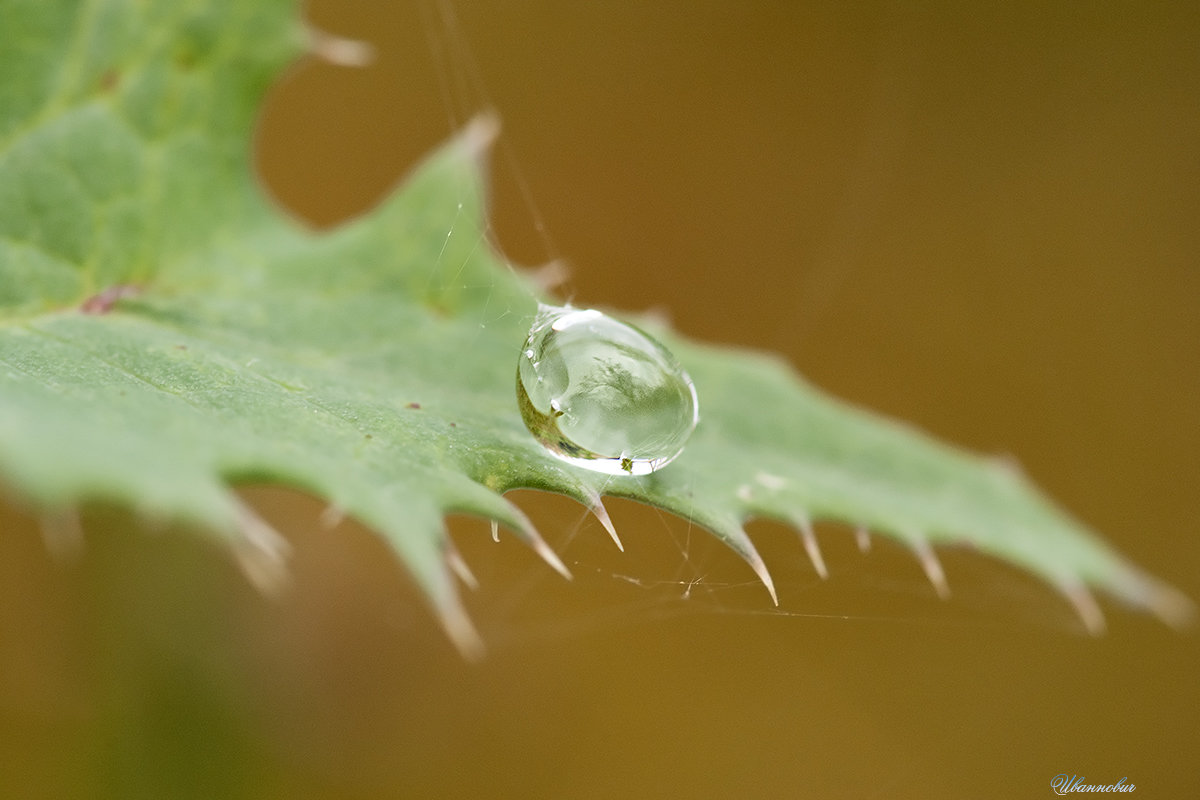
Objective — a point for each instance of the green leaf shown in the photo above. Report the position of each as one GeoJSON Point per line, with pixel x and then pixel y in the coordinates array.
{"type": "Point", "coordinates": [165, 334]}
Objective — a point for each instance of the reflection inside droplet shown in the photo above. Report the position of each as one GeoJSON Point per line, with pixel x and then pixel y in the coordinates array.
{"type": "Point", "coordinates": [602, 394]}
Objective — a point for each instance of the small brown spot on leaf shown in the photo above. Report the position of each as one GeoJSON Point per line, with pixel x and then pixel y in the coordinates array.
{"type": "Point", "coordinates": [413, 405]}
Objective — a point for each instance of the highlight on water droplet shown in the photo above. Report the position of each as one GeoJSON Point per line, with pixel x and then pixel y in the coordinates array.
{"type": "Point", "coordinates": [603, 394]}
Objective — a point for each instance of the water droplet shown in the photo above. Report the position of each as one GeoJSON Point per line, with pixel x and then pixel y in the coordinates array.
{"type": "Point", "coordinates": [602, 394]}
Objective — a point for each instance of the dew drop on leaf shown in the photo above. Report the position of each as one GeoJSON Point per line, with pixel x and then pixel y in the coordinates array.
{"type": "Point", "coordinates": [602, 394]}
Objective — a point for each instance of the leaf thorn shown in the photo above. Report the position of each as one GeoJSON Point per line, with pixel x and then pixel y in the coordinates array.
{"type": "Point", "coordinates": [527, 532]}
{"type": "Point", "coordinates": [339, 50]}
{"type": "Point", "coordinates": [809, 537]}
{"type": "Point", "coordinates": [596, 506]}
{"type": "Point", "coordinates": [1085, 605]}
{"type": "Point", "coordinates": [737, 539]}
{"type": "Point", "coordinates": [1166, 602]}
{"type": "Point", "coordinates": [932, 567]}
{"type": "Point", "coordinates": [863, 537]}
{"type": "Point", "coordinates": [480, 132]}
{"type": "Point", "coordinates": [261, 552]}
{"type": "Point", "coordinates": [550, 276]}
{"type": "Point", "coordinates": [760, 569]}
{"type": "Point", "coordinates": [459, 566]}
{"type": "Point", "coordinates": [332, 516]}
{"type": "Point", "coordinates": [457, 623]}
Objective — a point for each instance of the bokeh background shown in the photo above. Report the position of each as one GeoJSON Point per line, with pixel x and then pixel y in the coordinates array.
{"type": "Point", "coordinates": [983, 218]}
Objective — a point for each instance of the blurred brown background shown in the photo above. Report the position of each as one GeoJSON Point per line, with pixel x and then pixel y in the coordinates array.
{"type": "Point", "coordinates": [983, 220]}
